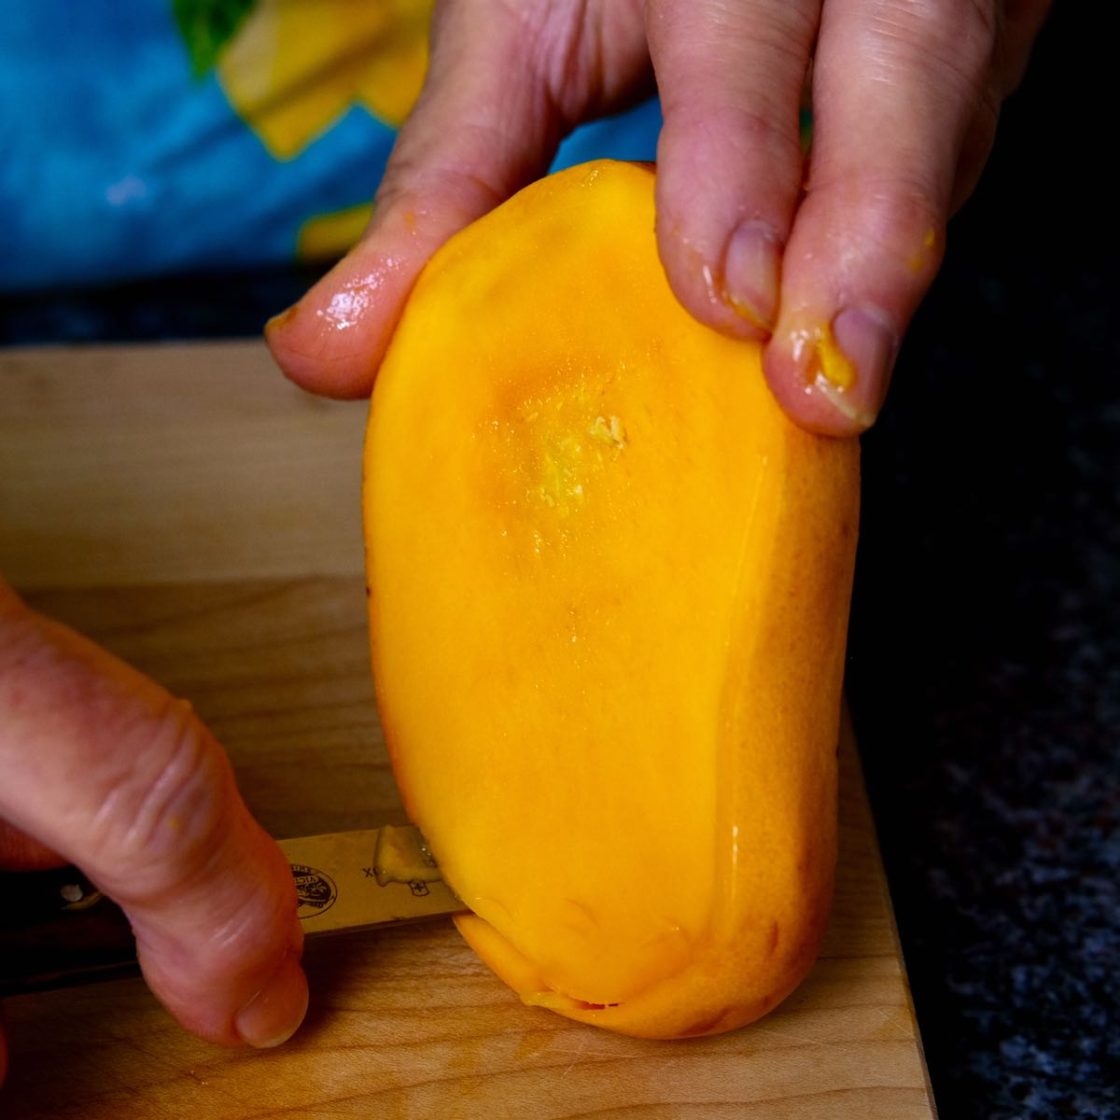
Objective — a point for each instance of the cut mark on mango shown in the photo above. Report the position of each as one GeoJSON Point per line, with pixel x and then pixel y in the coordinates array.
{"type": "Point", "coordinates": [557, 1001]}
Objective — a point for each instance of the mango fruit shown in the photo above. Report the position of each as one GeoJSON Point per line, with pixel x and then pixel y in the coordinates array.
{"type": "Point", "coordinates": [609, 585]}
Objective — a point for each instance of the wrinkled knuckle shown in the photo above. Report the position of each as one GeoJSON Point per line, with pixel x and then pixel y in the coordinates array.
{"type": "Point", "coordinates": [901, 210]}
{"type": "Point", "coordinates": [980, 30]}
{"type": "Point", "coordinates": [902, 198]}
{"type": "Point", "coordinates": [473, 190]}
{"type": "Point", "coordinates": [894, 218]}
{"type": "Point", "coordinates": [961, 22]}
{"type": "Point", "coordinates": [161, 820]}
{"type": "Point", "coordinates": [725, 124]}
{"type": "Point", "coordinates": [765, 125]}
{"type": "Point", "coordinates": [988, 107]}
{"type": "Point", "coordinates": [781, 34]}
{"type": "Point", "coordinates": [911, 198]}
{"type": "Point", "coordinates": [415, 180]}
{"type": "Point", "coordinates": [754, 152]}
{"type": "Point", "coordinates": [972, 34]}
{"type": "Point", "coordinates": [984, 20]}
{"type": "Point", "coordinates": [955, 38]}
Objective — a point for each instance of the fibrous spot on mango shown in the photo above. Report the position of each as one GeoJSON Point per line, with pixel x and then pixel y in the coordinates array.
{"type": "Point", "coordinates": [548, 452]}
{"type": "Point", "coordinates": [608, 430]}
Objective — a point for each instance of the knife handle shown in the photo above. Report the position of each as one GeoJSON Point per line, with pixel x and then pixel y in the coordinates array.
{"type": "Point", "coordinates": [57, 929]}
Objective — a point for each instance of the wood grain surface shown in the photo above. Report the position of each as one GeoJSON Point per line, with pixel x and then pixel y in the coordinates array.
{"type": "Point", "coordinates": [200, 517]}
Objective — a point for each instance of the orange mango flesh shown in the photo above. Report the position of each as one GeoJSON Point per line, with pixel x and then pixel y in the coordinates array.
{"type": "Point", "coordinates": [609, 586]}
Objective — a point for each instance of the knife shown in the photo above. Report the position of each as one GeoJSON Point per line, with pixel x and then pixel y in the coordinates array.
{"type": "Point", "coordinates": [58, 930]}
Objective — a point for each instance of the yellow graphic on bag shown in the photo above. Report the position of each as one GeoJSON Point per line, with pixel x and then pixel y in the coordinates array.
{"type": "Point", "coordinates": [294, 67]}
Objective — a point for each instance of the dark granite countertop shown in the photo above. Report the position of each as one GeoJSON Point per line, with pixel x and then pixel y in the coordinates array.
{"type": "Point", "coordinates": [985, 651]}
{"type": "Point", "coordinates": [984, 668]}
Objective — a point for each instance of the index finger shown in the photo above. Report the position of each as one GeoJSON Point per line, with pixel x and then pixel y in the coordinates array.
{"type": "Point", "coordinates": [111, 771]}
{"type": "Point", "coordinates": [729, 157]}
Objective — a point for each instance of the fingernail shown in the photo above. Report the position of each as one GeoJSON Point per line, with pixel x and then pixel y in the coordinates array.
{"type": "Point", "coordinates": [274, 1014]}
{"type": "Point", "coordinates": [281, 320]}
{"type": "Point", "coordinates": [750, 273]}
{"type": "Point", "coordinates": [853, 362]}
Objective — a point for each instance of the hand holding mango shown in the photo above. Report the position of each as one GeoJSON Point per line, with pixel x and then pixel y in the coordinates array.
{"type": "Point", "coordinates": [825, 260]}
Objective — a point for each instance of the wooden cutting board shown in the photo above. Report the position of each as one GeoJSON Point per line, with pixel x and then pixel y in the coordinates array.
{"type": "Point", "coordinates": [198, 515]}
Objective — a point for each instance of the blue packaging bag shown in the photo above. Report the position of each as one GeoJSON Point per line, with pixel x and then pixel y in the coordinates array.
{"type": "Point", "coordinates": [148, 137]}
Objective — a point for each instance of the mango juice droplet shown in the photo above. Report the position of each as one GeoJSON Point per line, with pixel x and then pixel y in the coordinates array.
{"type": "Point", "coordinates": [830, 362]}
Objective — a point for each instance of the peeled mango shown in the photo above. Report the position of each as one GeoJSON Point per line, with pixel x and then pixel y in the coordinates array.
{"type": "Point", "coordinates": [609, 585]}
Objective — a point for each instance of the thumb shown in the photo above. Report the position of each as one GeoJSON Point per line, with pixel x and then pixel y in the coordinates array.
{"type": "Point", "coordinates": [108, 769]}
{"type": "Point", "coordinates": [483, 127]}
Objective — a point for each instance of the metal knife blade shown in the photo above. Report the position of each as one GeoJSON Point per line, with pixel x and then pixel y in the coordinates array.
{"type": "Point", "coordinates": [58, 930]}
